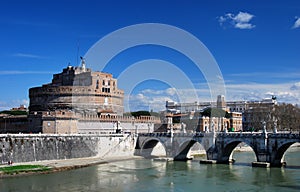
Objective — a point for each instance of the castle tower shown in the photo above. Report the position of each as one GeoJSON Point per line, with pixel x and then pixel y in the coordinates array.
{"type": "Point", "coordinates": [221, 104]}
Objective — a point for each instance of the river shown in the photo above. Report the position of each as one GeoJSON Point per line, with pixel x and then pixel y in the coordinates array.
{"type": "Point", "coordinates": [150, 175]}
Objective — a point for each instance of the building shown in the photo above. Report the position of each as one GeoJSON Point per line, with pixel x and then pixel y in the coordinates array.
{"type": "Point", "coordinates": [14, 124]}
{"type": "Point", "coordinates": [230, 106]}
{"type": "Point", "coordinates": [195, 116]}
{"type": "Point", "coordinates": [21, 108]}
{"type": "Point", "coordinates": [81, 90]}
{"type": "Point", "coordinates": [78, 100]}
{"type": "Point", "coordinates": [242, 112]}
{"type": "Point", "coordinates": [241, 106]}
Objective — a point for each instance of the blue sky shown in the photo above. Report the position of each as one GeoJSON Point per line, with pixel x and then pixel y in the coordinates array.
{"type": "Point", "coordinates": [256, 44]}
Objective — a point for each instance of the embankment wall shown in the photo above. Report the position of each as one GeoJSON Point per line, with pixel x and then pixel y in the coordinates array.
{"type": "Point", "coordinates": [38, 147]}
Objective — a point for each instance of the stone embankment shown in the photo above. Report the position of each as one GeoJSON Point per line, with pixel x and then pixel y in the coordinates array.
{"type": "Point", "coordinates": [19, 148]}
{"type": "Point", "coordinates": [64, 152]}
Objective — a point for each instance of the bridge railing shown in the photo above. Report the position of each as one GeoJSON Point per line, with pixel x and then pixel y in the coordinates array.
{"type": "Point", "coordinates": [224, 134]}
{"type": "Point", "coordinates": [240, 134]}
{"type": "Point", "coordinates": [284, 135]}
{"type": "Point", "coordinates": [164, 134]}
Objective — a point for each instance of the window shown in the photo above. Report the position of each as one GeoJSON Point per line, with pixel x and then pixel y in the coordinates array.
{"type": "Point", "coordinates": [97, 84]}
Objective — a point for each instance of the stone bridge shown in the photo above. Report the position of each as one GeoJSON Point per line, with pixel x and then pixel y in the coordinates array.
{"type": "Point", "coordinates": [269, 148]}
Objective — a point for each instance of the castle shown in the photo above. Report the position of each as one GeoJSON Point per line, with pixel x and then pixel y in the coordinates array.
{"type": "Point", "coordinates": [78, 100]}
{"type": "Point", "coordinates": [81, 90]}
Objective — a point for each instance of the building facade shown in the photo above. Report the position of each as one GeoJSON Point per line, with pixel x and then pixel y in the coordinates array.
{"type": "Point", "coordinates": [81, 90]}
{"type": "Point", "coordinates": [244, 114]}
{"type": "Point", "coordinates": [79, 100]}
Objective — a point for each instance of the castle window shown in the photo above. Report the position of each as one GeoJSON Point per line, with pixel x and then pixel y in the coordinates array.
{"type": "Point", "coordinates": [97, 84]}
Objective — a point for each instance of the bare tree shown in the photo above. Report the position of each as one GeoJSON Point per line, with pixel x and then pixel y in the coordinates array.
{"type": "Point", "coordinates": [286, 116]}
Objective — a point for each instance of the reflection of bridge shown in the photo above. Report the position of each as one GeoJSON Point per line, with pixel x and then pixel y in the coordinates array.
{"type": "Point", "coordinates": [269, 148]}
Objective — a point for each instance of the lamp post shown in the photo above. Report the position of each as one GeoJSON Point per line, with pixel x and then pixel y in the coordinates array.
{"type": "Point", "coordinates": [275, 126]}
{"type": "Point", "coordinates": [264, 127]}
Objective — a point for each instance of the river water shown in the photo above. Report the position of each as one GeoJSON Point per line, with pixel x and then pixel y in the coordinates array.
{"type": "Point", "coordinates": [150, 175]}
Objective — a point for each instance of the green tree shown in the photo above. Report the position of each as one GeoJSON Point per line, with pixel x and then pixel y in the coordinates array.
{"type": "Point", "coordinates": [142, 113]}
{"type": "Point", "coordinates": [215, 112]}
{"type": "Point", "coordinates": [14, 112]}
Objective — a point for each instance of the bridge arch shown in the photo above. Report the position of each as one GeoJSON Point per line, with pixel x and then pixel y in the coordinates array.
{"type": "Point", "coordinates": [149, 144]}
{"type": "Point", "coordinates": [227, 152]}
{"type": "Point", "coordinates": [279, 153]}
{"type": "Point", "coordinates": [184, 149]}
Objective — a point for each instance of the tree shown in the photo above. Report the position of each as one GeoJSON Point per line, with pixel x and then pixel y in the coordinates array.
{"type": "Point", "coordinates": [142, 113]}
{"type": "Point", "coordinates": [286, 116]}
{"type": "Point", "coordinates": [14, 112]}
{"type": "Point", "coordinates": [215, 112]}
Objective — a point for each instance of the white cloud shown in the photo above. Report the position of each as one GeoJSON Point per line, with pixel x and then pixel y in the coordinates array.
{"type": "Point", "coordinates": [297, 23]}
{"type": "Point", "coordinates": [26, 55]}
{"type": "Point", "coordinates": [243, 17]}
{"type": "Point", "coordinates": [270, 75]}
{"type": "Point", "coordinates": [24, 72]}
{"type": "Point", "coordinates": [244, 26]}
{"type": "Point", "coordinates": [285, 92]}
{"type": "Point", "coordinates": [171, 91]}
{"type": "Point", "coordinates": [240, 21]}
{"type": "Point", "coordinates": [296, 86]}
{"type": "Point", "coordinates": [258, 91]}
{"type": "Point", "coordinates": [6, 105]}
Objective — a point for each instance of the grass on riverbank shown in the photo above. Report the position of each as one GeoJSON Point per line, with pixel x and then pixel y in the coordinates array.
{"type": "Point", "coordinates": [23, 169]}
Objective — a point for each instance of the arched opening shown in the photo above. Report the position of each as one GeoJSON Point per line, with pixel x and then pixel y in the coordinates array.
{"type": "Point", "coordinates": [153, 148]}
{"type": "Point", "coordinates": [291, 156]}
{"type": "Point", "coordinates": [288, 154]}
{"type": "Point", "coordinates": [189, 150]}
{"type": "Point", "coordinates": [243, 154]}
{"type": "Point", "coordinates": [238, 152]}
{"type": "Point", "coordinates": [197, 152]}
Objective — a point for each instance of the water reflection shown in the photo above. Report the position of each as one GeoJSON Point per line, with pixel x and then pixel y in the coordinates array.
{"type": "Point", "coordinates": [149, 175]}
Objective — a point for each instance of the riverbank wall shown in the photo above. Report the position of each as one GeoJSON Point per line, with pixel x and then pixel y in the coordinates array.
{"type": "Point", "coordinates": [38, 147]}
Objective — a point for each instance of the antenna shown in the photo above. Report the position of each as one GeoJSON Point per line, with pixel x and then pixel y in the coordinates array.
{"type": "Point", "coordinates": [77, 56]}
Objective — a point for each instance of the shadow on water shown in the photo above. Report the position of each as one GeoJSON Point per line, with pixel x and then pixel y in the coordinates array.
{"type": "Point", "coordinates": [292, 167]}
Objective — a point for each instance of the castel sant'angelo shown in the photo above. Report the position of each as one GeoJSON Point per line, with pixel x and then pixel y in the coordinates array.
{"type": "Point", "coordinates": [81, 90]}
{"type": "Point", "coordinates": [78, 100]}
